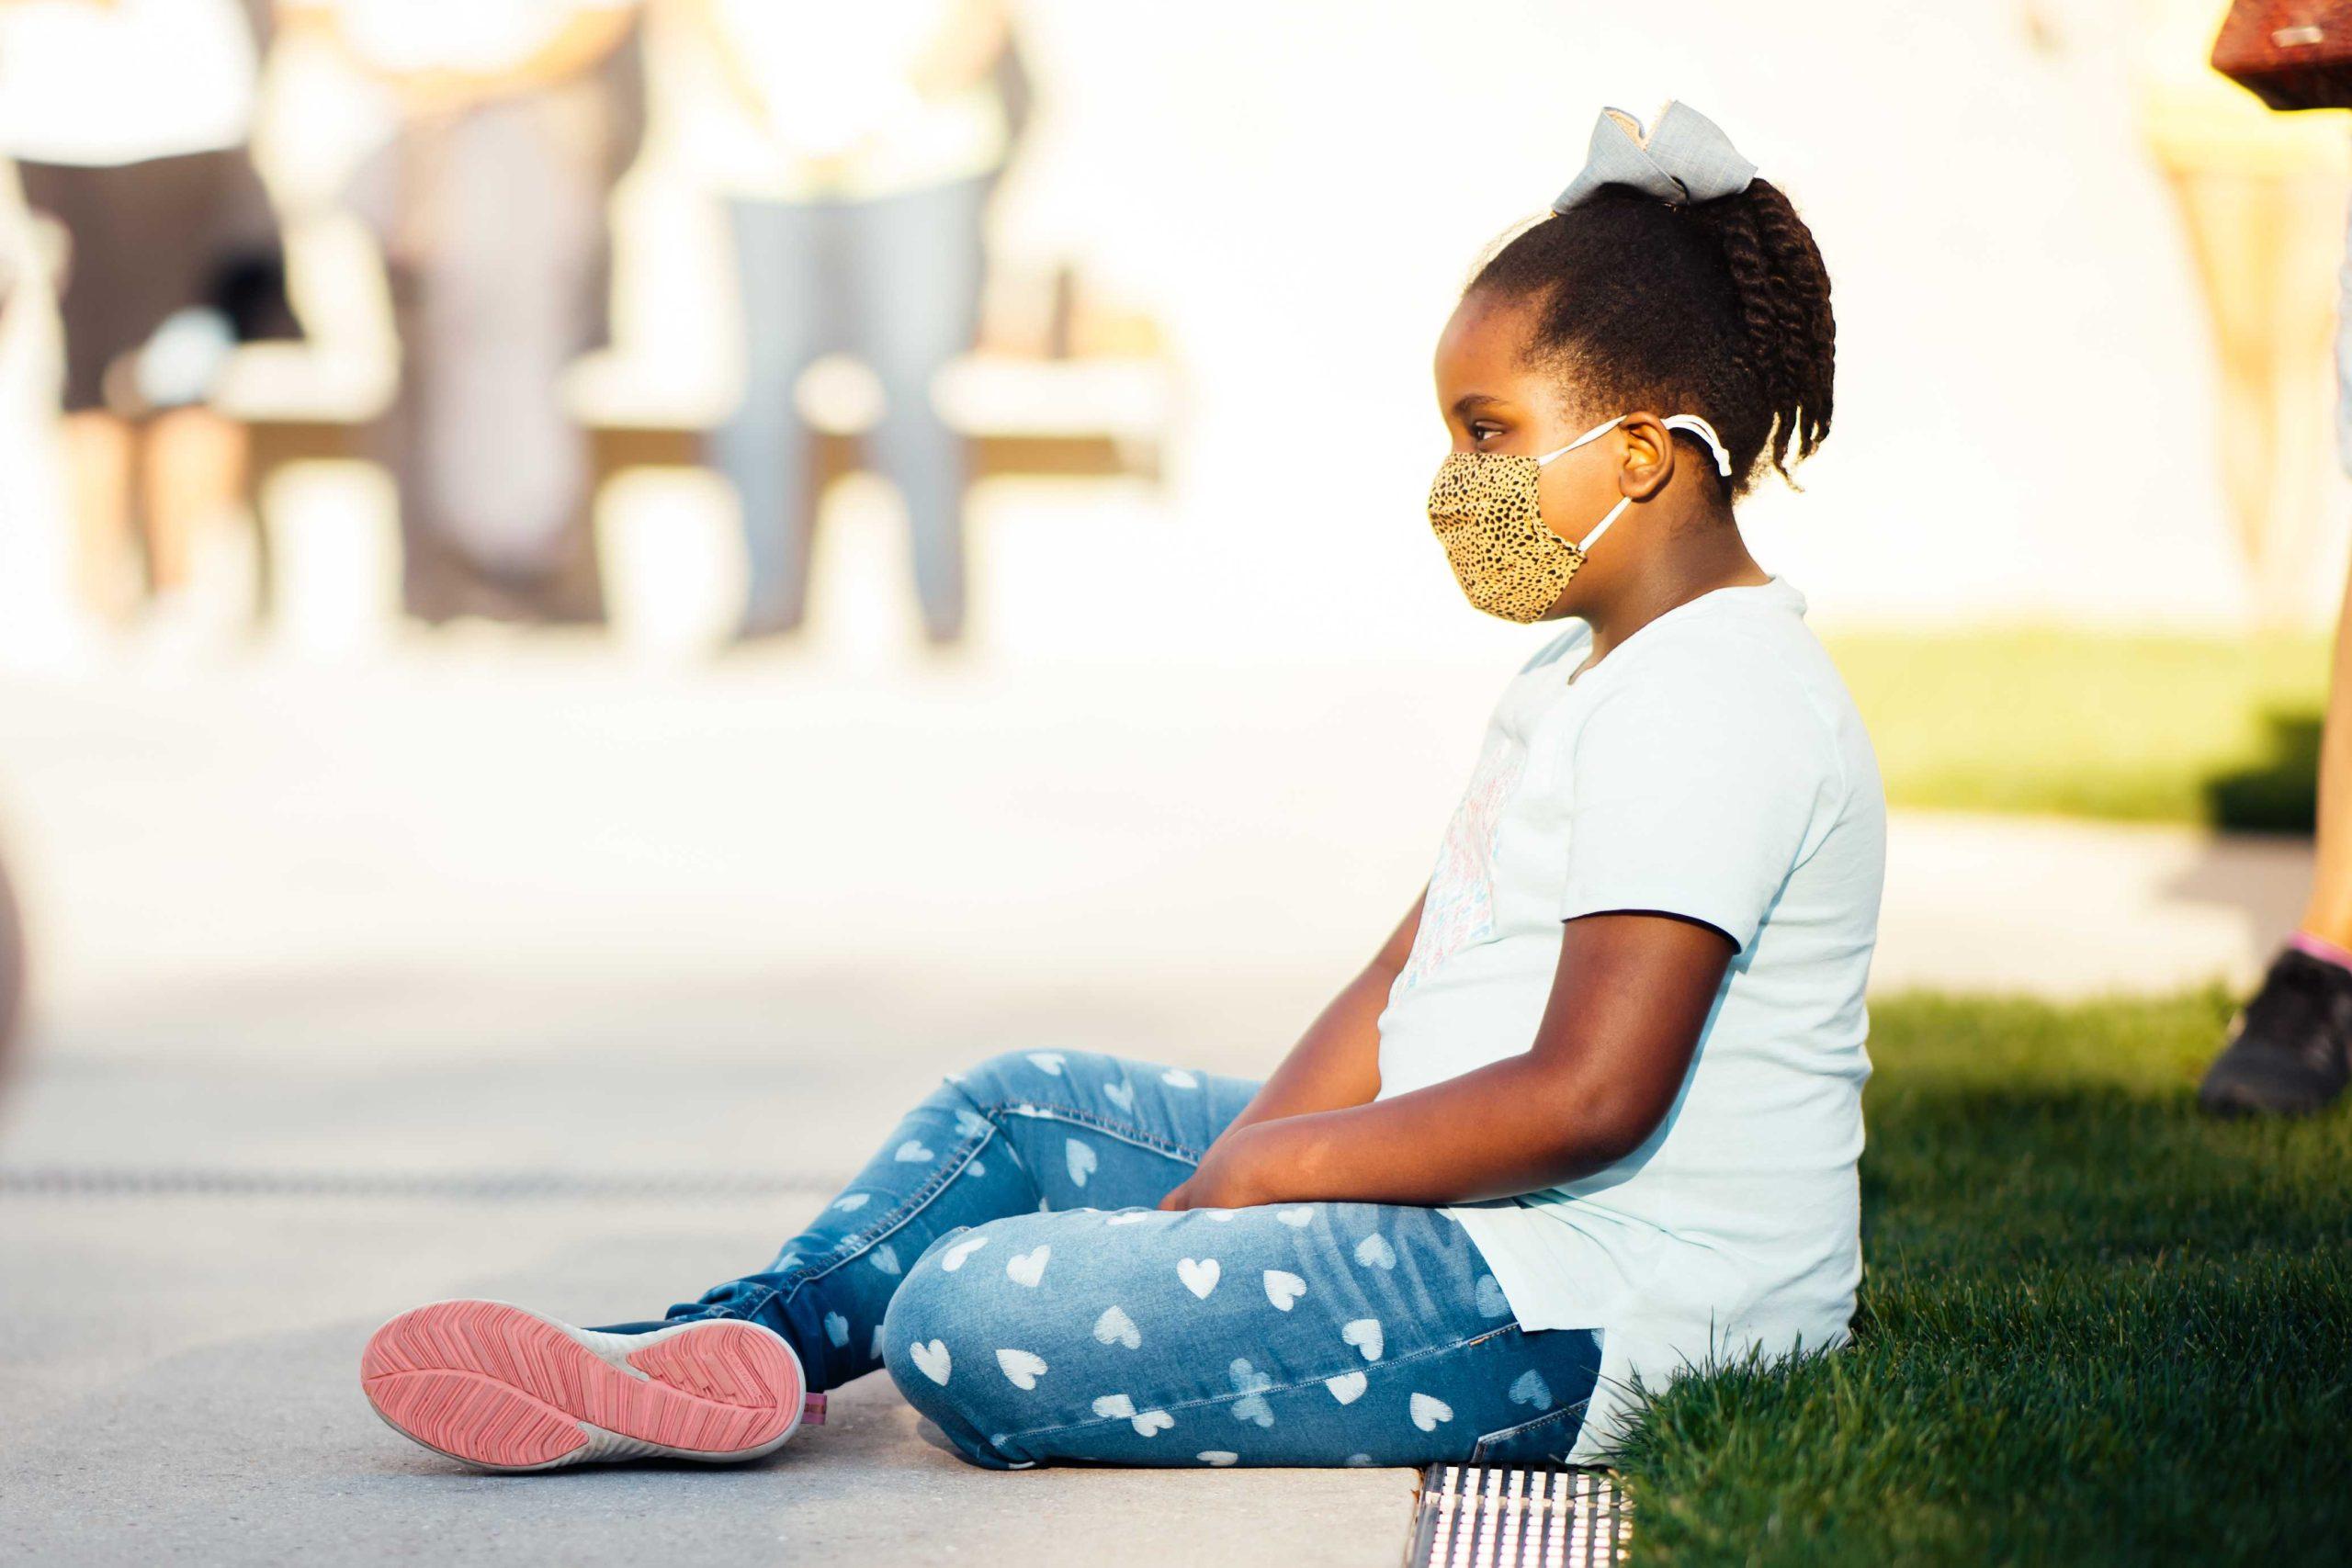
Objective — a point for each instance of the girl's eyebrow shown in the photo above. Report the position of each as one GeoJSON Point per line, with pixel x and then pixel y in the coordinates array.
{"type": "Point", "coordinates": [1469, 400]}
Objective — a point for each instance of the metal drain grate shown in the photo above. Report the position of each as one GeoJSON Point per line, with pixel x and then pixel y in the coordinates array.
{"type": "Point", "coordinates": [1475, 1515]}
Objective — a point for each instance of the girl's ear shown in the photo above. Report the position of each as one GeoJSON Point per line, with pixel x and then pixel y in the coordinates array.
{"type": "Point", "coordinates": [1649, 455]}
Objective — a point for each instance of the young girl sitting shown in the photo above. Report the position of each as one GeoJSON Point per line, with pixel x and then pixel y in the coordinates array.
{"type": "Point", "coordinates": [1589, 1118]}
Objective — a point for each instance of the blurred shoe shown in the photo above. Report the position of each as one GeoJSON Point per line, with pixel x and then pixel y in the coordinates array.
{"type": "Point", "coordinates": [443, 598]}
{"type": "Point", "coordinates": [2290, 1051]}
{"type": "Point", "coordinates": [502, 1389]}
{"type": "Point", "coordinates": [959, 653]}
{"type": "Point", "coordinates": [769, 622]}
{"type": "Point", "coordinates": [182, 627]}
{"type": "Point", "coordinates": [441, 582]}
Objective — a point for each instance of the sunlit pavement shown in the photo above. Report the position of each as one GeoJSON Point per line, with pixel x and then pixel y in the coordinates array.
{"type": "Point", "coordinates": [342, 949]}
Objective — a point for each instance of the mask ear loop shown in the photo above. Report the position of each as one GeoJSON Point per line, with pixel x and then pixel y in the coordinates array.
{"type": "Point", "coordinates": [1706, 433]}
{"type": "Point", "coordinates": [1584, 545]}
{"type": "Point", "coordinates": [1595, 433]}
{"type": "Point", "coordinates": [1689, 421]}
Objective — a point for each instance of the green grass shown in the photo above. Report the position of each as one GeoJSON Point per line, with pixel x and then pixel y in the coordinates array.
{"type": "Point", "coordinates": [2096, 1327]}
{"type": "Point", "coordinates": [2136, 728]}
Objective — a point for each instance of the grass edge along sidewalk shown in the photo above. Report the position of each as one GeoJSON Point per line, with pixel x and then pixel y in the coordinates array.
{"type": "Point", "coordinates": [2095, 1327]}
{"type": "Point", "coordinates": [2133, 727]}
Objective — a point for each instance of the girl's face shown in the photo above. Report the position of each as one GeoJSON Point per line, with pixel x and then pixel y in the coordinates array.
{"type": "Point", "coordinates": [1492, 401]}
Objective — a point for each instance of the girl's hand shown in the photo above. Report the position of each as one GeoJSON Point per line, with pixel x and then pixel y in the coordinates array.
{"type": "Point", "coordinates": [1227, 1176]}
{"type": "Point", "coordinates": [1629, 999]}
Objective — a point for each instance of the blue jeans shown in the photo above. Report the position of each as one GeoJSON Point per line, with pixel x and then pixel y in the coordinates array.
{"type": "Point", "coordinates": [894, 281]}
{"type": "Point", "coordinates": [1001, 1255]}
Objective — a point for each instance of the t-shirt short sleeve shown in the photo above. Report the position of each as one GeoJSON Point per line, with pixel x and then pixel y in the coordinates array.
{"type": "Point", "coordinates": [1699, 780]}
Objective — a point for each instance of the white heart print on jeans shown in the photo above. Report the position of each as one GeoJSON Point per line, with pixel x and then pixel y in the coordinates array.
{"type": "Point", "coordinates": [1105, 1329]}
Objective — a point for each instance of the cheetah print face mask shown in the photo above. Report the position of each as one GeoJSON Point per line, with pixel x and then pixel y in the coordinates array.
{"type": "Point", "coordinates": [1485, 509]}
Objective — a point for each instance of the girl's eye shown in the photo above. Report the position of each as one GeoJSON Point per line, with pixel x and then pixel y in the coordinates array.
{"type": "Point", "coordinates": [1482, 431]}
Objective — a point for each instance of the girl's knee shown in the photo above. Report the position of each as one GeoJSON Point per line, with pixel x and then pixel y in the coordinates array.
{"type": "Point", "coordinates": [996, 1081]}
{"type": "Point", "coordinates": [943, 1381]}
{"type": "Point", "coordinates": [936, 1337]}
{"type": "Point", "coordinates": [1010, 1077]}
{"type": "Point", "coordinates": [936, 1316]}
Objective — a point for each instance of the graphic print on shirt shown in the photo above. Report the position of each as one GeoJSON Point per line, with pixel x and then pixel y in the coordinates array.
{"type": "Point", "coordinates": [1460, 909]}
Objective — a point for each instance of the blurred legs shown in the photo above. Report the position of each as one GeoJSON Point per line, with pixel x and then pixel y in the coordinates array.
{"type": "Point", "coordinates": [765, 449]}
{"type": "Point", "coordinates": [2250, 235]}
{"type": "Point", "coordinates": [896, 282]}
{"type": "Point", "coordinates": [98, 466]}
{"type": "Point", "coordinates": [918, 271]}
{"type": "Point", "coordinates": [497, 282]}
{"type": "Point", "coordinates": [194, 482]}
{"type": "Point", "coordinates": [2290, 1050]}
{"type": "Point", "coordinates": [2329, 914]}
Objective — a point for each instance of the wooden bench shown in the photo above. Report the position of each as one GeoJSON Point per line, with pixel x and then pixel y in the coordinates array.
{"type": "Point", "coordinates": [1099, 417]}
{"type": "Point", "coordinates": [1087, 417]}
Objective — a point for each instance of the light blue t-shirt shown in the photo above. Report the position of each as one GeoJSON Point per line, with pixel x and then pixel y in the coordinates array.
{"type": "Point", "coordinates": [1712, 766]}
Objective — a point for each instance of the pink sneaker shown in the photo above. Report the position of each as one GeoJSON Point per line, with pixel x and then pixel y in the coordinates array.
{"type": "Point", "coordinates": [496, 1386]}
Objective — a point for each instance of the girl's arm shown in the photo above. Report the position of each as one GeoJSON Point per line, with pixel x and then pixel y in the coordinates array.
{"type": "Point", "coordinates": [965, 51]}
{"type": "Point", "coordinates": [1336, 1063]}
{"type": "Point", "coordinates": [1630, 995]}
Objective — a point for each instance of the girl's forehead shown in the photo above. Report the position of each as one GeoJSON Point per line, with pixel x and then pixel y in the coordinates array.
{"type": "Point", "coordinates": [1483, 348]}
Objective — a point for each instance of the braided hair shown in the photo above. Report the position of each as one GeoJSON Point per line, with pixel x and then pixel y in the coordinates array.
{"type": "Point", "coordinates": [1719, 309]}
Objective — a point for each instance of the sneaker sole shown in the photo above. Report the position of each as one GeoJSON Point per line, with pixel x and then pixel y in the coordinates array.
{"type": "Point", "coordinates": [501, 1388]}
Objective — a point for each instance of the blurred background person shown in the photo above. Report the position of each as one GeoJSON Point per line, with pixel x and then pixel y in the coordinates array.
{"type": "Point", "coordinates": [2257, 187]}
{"type": "Point", "coordinates": [128, 121]}
{"type": "Point", "coordinates": [855, 147]}
{"type": "Point", "coordinates": [515, 119]}
{"type": "Point", "coordinates": [2258, 193]}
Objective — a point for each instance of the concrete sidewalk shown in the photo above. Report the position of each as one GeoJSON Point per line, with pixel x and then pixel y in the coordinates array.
{"type": "Point", "coordinates": [436, 920]}
{"type": "Point", "coordinates": [182, 1388]}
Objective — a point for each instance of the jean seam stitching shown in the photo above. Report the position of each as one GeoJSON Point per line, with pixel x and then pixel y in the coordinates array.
{"type": "Point", "coordinates": [1125, 1131]}
{"type": "Point", "coordinates": [1505, 1434]}
{"type": "Point", "coordinates": [858, 1244]}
